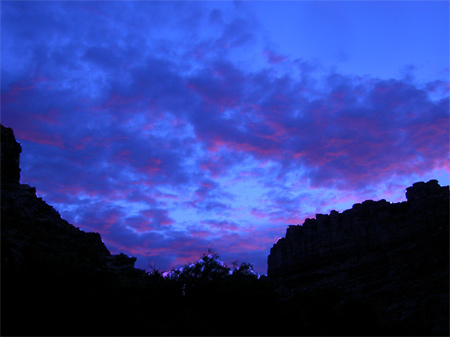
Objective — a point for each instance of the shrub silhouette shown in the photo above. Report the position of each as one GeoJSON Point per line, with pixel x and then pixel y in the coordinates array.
{"type": "Point", "coordinates": [208, 269]}
{"type": "Point", "coordinates": [218, 300]}
{"type": "Point", "coordinates": [202, 298]}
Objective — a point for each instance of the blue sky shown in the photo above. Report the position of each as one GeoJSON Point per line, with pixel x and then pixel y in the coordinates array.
{"type": "Point", "coordinates": [174, 127]}
{"type": "Point", "coordinates": [381, 38]}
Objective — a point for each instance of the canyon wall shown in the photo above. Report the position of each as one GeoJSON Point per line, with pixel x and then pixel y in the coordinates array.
{"type": "Point", "coordinates": [56, 278]}
{"type": "Point", "coordinates": [378, 268]}
{"type": "Point", "coordinates": [393, 255]}
{"type": "Point", "coordinates": [35, 237]}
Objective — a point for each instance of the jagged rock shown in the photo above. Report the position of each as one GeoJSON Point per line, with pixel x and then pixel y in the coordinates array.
{"type": "Point", "coordinates": [392, 258]}
{"type": "Point", "coordinates": [34, 234]}
{"type": "Point", "coordinates": [55, 277]}
{"type": "Point", "coordinates": [394, 255]}
{"type": "Point", "coordinates": [10, 157]}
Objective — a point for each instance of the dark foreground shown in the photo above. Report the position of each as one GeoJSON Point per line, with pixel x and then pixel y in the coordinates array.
{"type": "Point", "coordinates": [59, 280]}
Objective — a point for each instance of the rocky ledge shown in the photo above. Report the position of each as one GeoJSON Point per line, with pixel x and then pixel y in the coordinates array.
{"type": "Point", "coordinates": [393, 256]}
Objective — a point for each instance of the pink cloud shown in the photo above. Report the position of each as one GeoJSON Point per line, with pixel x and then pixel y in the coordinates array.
{"type": "Point", "coordinates": [39, 137]}
{"type": "Point", "coordinates": [157, 217]}
{"type": "Point", "coordinates": [116, 125]}
{"type": "Point", "coordinates": [16, 91]}
{"type": "Point", "coordinates": [153, 165]}
{"type": "Point", "coordinates": [223, 225]}
{"type": "Point", "coordinates": [258, 213]}
{"type": "Point", "coordinates": [160, 196]}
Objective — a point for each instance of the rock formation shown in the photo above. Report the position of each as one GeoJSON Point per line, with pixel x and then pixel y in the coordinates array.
{"type": "Point", "coordinates": [33, 232]}
{"type": "Point", "coordinates": [392, 255]}
{"type": "Point", "coordinates": [10, 170]}
{"type": "Point", "coordinates": [378, 268]}
{"type": "Point", "coordinates": [54, 275]}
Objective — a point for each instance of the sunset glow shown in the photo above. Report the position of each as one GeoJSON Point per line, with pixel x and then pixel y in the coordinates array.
{"type": "Point", "coordinates": [174, 127]}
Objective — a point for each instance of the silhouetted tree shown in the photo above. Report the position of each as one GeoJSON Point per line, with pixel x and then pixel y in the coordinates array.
{"type": "Point", "coordinates": [199, 276]}
{"type": "Point", "coordinates": [245, 269]}
{"type": "Point", "coordinates": [214, 294]}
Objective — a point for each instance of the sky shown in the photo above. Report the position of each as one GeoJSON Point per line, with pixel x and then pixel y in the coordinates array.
{"type": "Point", "coordinates": [174, 127]}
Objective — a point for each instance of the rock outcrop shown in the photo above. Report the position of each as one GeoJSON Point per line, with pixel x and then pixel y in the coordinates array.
{"type": "Point", "coordinates": [55, 277]}
{"type": "Point", "coordinates": [10, 170]}
{"type": "Point", "coordinates": [378, 268]}
{"type": "Point", "coordinates": [392, 255]}
{"type": "Point", "coordinates": [34, 234]}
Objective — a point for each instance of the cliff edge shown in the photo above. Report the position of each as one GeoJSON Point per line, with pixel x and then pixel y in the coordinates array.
{"type": "Point", "coordinates": [53, 274]}
{"type": "Point", "coordinates": [34, 235]}
{"type": "Point", "coordinates": [393, 256]}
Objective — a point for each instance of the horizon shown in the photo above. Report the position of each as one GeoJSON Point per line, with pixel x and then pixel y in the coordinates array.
{"type": "Point", "coordinates": [174, 127]}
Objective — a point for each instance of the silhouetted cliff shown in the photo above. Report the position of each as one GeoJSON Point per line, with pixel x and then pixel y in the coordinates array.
{"type": "Point", "coordinates": [59, 280]}
{"type": "Point", "coordinates": [378, 268]}
{"type": "Point", "coordinates": [53, 274]}
{"type": "Point", "coordinates": [393, 256]}
{"type": "Point", "coordinates": [11, 150]}
{"type": "Point", "coordinates": [33, 232]}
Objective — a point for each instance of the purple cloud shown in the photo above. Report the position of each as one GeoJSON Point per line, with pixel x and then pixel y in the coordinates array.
{"type": "Point", "coordinates": [170, 130]}
{"type": "Point", "coordinates": [273, 57]}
